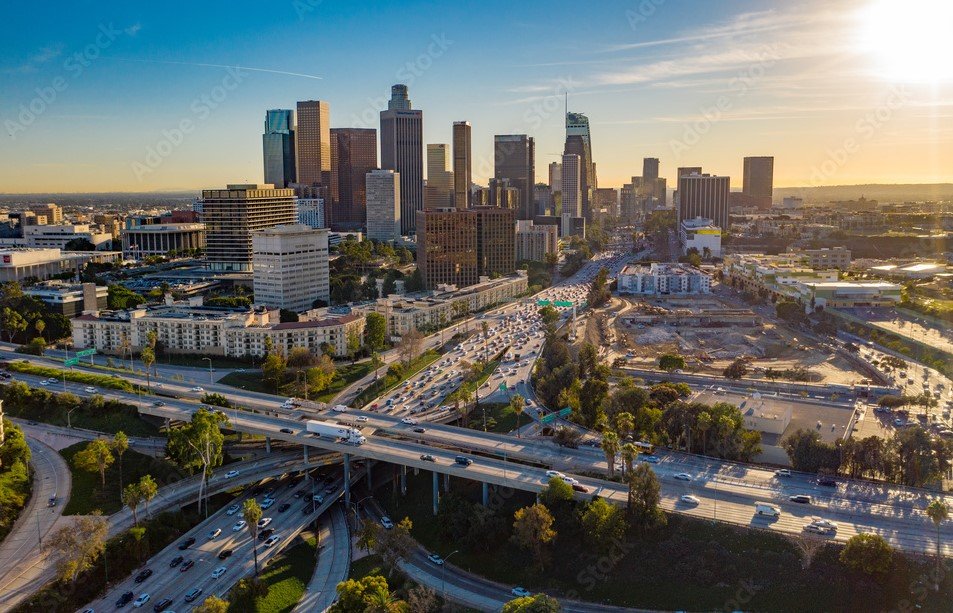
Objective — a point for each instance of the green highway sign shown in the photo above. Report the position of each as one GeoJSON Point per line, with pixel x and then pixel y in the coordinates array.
{"type": "Point", "coordinates": [563, 303]}
{"type": "Point", "coordinates": [542, 303]}
{"type": "Point", "coordinates": [550, 417]}
{"type": "Point", "coordinates": [71, 361]}
{"type": "Point", "coordinates": [564, 413]}
{"type": "Point", "coordinates": [85, 352]}
{"type": "Point", "coordinates": [502, 387]}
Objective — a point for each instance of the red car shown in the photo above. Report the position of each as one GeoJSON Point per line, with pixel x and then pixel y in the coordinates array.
{"type": "Point", "coordinates": [580, 488]}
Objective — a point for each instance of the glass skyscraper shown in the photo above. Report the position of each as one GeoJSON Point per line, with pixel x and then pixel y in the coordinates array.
{"type": "Point", "coordinates": [278, 147]}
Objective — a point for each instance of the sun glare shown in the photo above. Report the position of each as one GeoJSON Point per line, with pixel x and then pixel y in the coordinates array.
{"type": "Point", "coordinates": [910, 40]}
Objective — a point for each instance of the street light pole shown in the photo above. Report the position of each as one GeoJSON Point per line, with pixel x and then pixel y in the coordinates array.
{"type": "Point", "coordinates": [210, 379]}
{"type": "Point", "coordinates": [443, 574]}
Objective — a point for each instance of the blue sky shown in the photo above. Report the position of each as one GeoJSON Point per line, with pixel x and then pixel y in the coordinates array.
{"type": "Point", "coordinates": [95, 93]}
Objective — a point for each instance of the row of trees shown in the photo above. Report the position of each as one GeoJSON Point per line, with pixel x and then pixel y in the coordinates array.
{"type": "Point", "coordinates": [23, 318]}
{"type": "Point", "coordinates": [15, 482]}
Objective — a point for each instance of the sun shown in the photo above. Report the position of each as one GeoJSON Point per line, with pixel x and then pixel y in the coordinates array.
{"type": "Point", "coordinates": [910, 40]}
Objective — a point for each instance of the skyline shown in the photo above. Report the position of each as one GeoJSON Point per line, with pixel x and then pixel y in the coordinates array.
{"type": "Point", "coordinates": [690, 83]}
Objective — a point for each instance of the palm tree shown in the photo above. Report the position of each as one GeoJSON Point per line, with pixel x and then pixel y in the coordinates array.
{"type": "Point", "coordinates": [251, 512]}
{"type": "Point", "coordinates": [148, 357]}
{"type": "Point", "coordinates": [517, 404]}
{"type": "Point", "coordinates": [376, 363]}
{"type": "Point", "coordinates": [629, 453]}
{"type": "Point", "coordinates": [132, 496]}
{"type": "Point", "coordinates": [704, 424]}
{"type": "Point", "coordinates": [938, 512]}
{"type": "Point", "coordinates": [610, 445]}
{"type": "Point", "coordinates": [382, 600]}
{"type": "Point", "coordinates": [625, 423]}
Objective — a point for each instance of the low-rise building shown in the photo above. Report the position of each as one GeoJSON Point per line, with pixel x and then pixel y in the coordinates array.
{"type": "Point", "coordinates": [158, 235]}
{"type": "Point", "coordinates": [702, 235]}
{"type": "Point", "coordinates": [826, 258]}
{"type": "Point", "coordinates": [60, 235]}
{"type": "Point", "coordinates": [69, 299]}
{"type": "Point", "coordinates": [41, 264]}
{"type": "Point", "coordinates": [662, 279]}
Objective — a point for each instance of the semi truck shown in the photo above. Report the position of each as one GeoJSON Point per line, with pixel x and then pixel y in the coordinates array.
{"type": "Point", "coordinates": [335, 431]}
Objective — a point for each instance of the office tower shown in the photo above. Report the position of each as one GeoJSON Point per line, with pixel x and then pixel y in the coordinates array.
{"type": "Point", "coordinates": [606, 199]}
{"type": "Point", "coordinates": [579, 141]}
{"type": "Point", "coordinates": [291, 267]}
{"type": "Point", "coordinates": [402, 150]}
{"type": "Point", "coordinates": [313, 142]}
{"type": "Point", "coordinates": [706, 196]}
{"type": "Point", "coordinates": [514, 158]}
{"type": "Point", "coordinates": [555, 176]}
{"type": "Point", "coordinates": [534, 242]}
{"type": "Point", "coordinates": [462, 164]}
{"type": "Point", "coordinates": [496, 241]}
{"type": "Point", "coordinates": [687, 170]}
{"type": "Point", "coordinates": [52, 211]}
{"type": "Point", "coordinates": [383, 205]}
{"type": "Point", "coordinates": [575, 145]}
{"type": "Point", "coordinates": [501, 193]}
{"type": "Point", "coordinates": [439, 192]}
{"type": "Point", "coordinates": [278, 147]}
{"type": "Point", "coordinates": [447, 247]}
{"type": "Point", "coordinates": [758, 181]}
{"type": "Point", "coordinates": [311, 212]}
{"type": "Point", "coordinates": [233, 214]}
{"type": "Point", "coordinates": [571, 185]}
{"type": "Point", "coordinates": [544, 199]}
{"type": "Point", "coordinates": [650, 168]}
{"type": "Point", "coordinates": [353, 155]}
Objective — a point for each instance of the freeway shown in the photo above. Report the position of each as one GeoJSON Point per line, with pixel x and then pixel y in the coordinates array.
{"type": "Point", "coordinates": [334, 563]}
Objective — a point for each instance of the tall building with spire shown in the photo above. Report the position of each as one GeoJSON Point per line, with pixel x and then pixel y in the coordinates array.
{"type": "Point", "coordinates": [579, 142]}
{"type": "Point", "coordinates": [402, 150]}
{"type": "Point", "coordinates": [313, 142]}
{"type": "Point", "coordinates": [278, 147]}
{"type": "Point", "coordinates": [462, 164]}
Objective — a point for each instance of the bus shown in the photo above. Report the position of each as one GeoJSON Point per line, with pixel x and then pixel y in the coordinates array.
{"type": "Point", "coordinates": [643, 447]}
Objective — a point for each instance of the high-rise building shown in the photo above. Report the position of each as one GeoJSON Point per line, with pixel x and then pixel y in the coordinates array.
{"type": "Point", "coordinates": [544, 199]}
{"type": "Point", "coordinates": [571, 185]}
{"type": "Point", "coordinates": [687, 170]}
{"type": "Point", "coordinates": [496, 241]}
{"type": "Point", "coordinates": [555, 176]}
{"type": "Point", "coordinates": [706, 196]}
{"type": "Point", "coordinates": [402, 150]}
{"type": "Point", "coordinates": [758, 181]}
{"type": "Point", "coordinates": [649, 168]}
{"type": "Point", "coordinates": [311, 212]}
{"type": "Point", "coordinates": [233, 214]}
{"type": "Point", "coordinates": [462, 164]}
{"type": "Point", "coordinates": [502, 194]}
{"type": "Point", "coordinates": [439, 192]}
{"type": "Point", "coordinates": [447, 247]}
{"type": "Point", "coordinates": [313, 142]}
{"type": "Point", "coordinates": [52, 211]}
{"type": "Point", "coordinates": [383, 205]}
{"type": "Point", "coordinates": [534, 242]}
{"type": "Point", "coordinates": [579, 141]}
{"type": "Point", "coordinates": [606, 199]}
{"type": "Point", "coordinates": [514, 157]}
{"type": "Point", "coordinates": [353, 155]}
{"type": "Point", "coordinates": [278, 147]}
{"type": "Point", "coordinates": [291, 267]}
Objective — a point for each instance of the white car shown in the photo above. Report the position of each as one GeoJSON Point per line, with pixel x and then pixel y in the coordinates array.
{"type": "Point", "coordinates": [44, 382]}
{"type": "Point", "coordinates": [141, 601]}
{"type": "Point", "coordinates": [782, 472]}
{"type": "Point", "coordinates": [90, 389]}
{"type": "Point", "coordinates": [239, 525]}
{"type": "Point", "coordinates": [386, 523]}
{"type": "Point", "coordinates": [361, 418]}
{"type": "Point", "coordinates": [683, 476]}
{"type": "Point", "coordinates": [263, 522]}
{"type": "Point", "coordinates": [554, 473]}
{"type": "Point", "coordinates": [233, 509]}
{"type": "Point", "coordinates": [569, 480]}
{"type": "Point", "coordinates": [689, 499]}
{"type": "Point", "coordinates": [271, 540]}
{"type": "Point", "coordinates": [198, 389]}
{"type": "Point", "coordinates": [267, 503]}
{"type": "Point", "coordinates": [409, 420]}
{"type": "Point", "coordinates": [520, 592]}
{"type": "Point", "coordinates": [218, 572]}
{"type": "Point", "coordinates": [214, 533]}
{"type": "Point", "coordinates": [231, 474]}
{"type": "Point", "coordinates": [339, 408]}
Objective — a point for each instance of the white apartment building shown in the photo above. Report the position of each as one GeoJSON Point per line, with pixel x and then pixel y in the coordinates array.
{"type": "Point", "coordinates": [383, 205]}
{"type": "Point", "coordinates": [701, 234]}
{"type": "Point", "coordinates": [290, 266]}
{"type": "Point", "coordinates": [663, 279]}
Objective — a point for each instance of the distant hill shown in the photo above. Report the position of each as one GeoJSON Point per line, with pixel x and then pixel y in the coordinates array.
{"type": "Point", "coordinates": [123, 200]}
{"type": "Point", "coordinates": [883, 192]}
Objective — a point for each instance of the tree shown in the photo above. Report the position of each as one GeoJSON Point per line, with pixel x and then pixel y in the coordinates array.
{"type": "Point", "coordinates": [148, 488]}
{"type": "Point", "coordinates": [76, 547]}
{"type": "Point", "coordinates": [410, 346]}
{"type": "Point", "coordinates": [422, 599]}
{"type": "Point", "coordinates": [644, 497]}
{"type": "Point", "coordinates": [603, 523]}
{"type": "Point", "coordinates": [938, 512]}
{"type": "Point", "coordinates": [131, 497]}
{"type": "Point", "coordinates": [629, 453]}
{"type": "Point", "coordinates": [533, 530]}
{"type": "Point", "coordinates": [273, 369]}
{"type": "Point", "coordinates": [867, 553]}
{"type": "Point", "coordinates": [375, 331]}
{"type": "Point", "coordinates": [138, 534]}
{"type": "Point", "coordinates": [809, 453]}
{"type": "Point", "coordinates": [148, 357]}
{"type": "Point", "coordinates": [361, 595]}
{"type": "Point", "coordinates": [538, 603]}
{"type": "Point", "coordinates": [415, 282]}
{"type": "Point", "coordinates": [670, 362]}
{"type": "Point", "coordinates": [198, 445]}
{"type": "Point", "coordinates": [120, 446]}
{"type": "Point", "coordinates": [549, 315]}
{"type": "Point", "coordinates": [96, 456]}
{"type": "Point", "coordinates": [13, 323]}
{"type": "Point", "coordinates": [790, 311]}
{"type": "Point", "coordinates": [737, 369]}
{"type": "Point", "coordinates": [517, 403]}
{"type": "Point", "coordinates": [367, 535]}
{"type": "Point", "coordinates": [319, 377]}
{"type": "Point", "coordinates": [212, 604]}
{"type": "Point", "coordinates": [251, 513]}
{"type": "Point", "coordinates": [396, 544]}
{"type": "Point", "coordinates": [599, 291]}
{"type": "Point", "coordinates": [39, 325]}
{"type": "Point", "coordinates": [557, 491]}
{"type": "Point", "coordinates": [353, 344]}
{"type": "Point", "coordinates": [610, 446]}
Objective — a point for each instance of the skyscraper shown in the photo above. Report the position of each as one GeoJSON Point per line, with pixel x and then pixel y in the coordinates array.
{"type": "Point", "coordinates": [291, 267]}
{"type": "Point", "coordinates": [462, 164]}
{"type": "Point", "coordinates": [579, 141]}
{"type": "Point", "coordinates": [383, 205]}
{"type": "Point", "coordinates": [313, 141]}
{"type": "Point", "coordinates": [440, 180]}
{"type": "Point", "coordinates": [447, 247]}
{"type": "Point", "coordinates": [703, 195]}
{"type": "Point", "coordinates": [353, 155]}
{"type": "Point", "coordinates": [514, 157]}
{"type": "Point", "coordinates": [758, 181]}
{"type": "Point", "coordinates": [555, 176]}
{"type": "Point", "coordinates": [402, 150]}
{"type": "Point", "coordinates": [649, 169]}
{"type": "Point", "coordinates": [278, 147]}
{"type": "Point", "coordinates": [571, 185]}
{"type": "Point", "coordinates": [496, 241]}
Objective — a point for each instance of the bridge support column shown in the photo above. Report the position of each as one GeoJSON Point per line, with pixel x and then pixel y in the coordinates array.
{"type": "Point", "coordinates": [367, 475]}
{"type": "Point", "coordinates": [403, 480]}
{"type": "Point", "coordinates": [446, 482]}
{"type": "Point", "coordinates": [486, 494]}
{"type": "Point", "coordinates": [347, 480]}
{"type": "Point", "coordinates": [267, 444]}
{"type": "Point", "coordinates": [436, 492]}
{"type": "Point", "coordinates": [306, 461]}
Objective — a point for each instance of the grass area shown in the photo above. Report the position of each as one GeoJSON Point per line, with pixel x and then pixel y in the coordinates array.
{"type": "Point", "coordinates": [286, 578]}
{"type": "Point", "coordinates": [346, 375]}
{"type": "Point", "coordinates": [367, 566]}
{"type": "Point", "coordinates": [252, 381]}
{"type": "Point", "coordinates": [75, 376]}
{"type": "Point", "coordinates": [390, 381]}
{"type": "Point", "coordinates": [689, 564]}
{"type": "Point", "coordinates": [500, 417]}
{"type": "Point", "coordinates": [88, 494]}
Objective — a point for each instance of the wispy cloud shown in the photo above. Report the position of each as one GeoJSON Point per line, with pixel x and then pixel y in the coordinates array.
{"type": "Point", "coordinates": [43, 56]}
{"type": "Point", "coordinates": [133, 29]}
{"type": "Point", "coordinates": [204, 65]}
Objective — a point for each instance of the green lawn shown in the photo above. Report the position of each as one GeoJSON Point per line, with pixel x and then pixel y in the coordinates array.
{"type": "Point", "coordinates": [252, 381]}
{"type": "Point", "coordinates": [346, 375]}
{"type": "Point", "coordinates": [389, 382]}
{"type": "Point", "coordinates": [500, 417]}
{"type": "Point", "coordinates": [367, 566]}
{"type": "Point", "coordinates": [111, 382]}
{"type": "Point", "coordinates": [88, 494]}
{"type": "Point", "coordinates": [286, 578]}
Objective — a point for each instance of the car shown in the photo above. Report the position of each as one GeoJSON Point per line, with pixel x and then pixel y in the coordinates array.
{"type": "Point", "coordinates": [578, 487]}
{"type": "Point", "coordinates": [569, 480]}
{"type": "Point", "coordinates": [231, 474]}
{"type": "Point", "coordinates": [175, 561]}
{"type": "Point", "coordinates": [520, 592]}
{"type": "Point", "coordinates": [651, 459]}
{"type": "Point", "coordinates": [420, 430]}
{"type": "Point", "coordinates": [800, 498]}
{"type": "Point", "coordinates": [44, 382]}
{"type": "Point", "coordinates": [265, 533]}
{"type": "Point", "coordinates": [826, 482]}
{"type": "Point", "coordinates": [186, 543]}
{"type": "Point", "coordinates": [287, 431]}
{"type": "Point", "coordinates": [690, 499]}
{"type": "Point", "coordinates": [186, 565]}
{"type": "Point", "coordinates": [225, 553]}
{"type": "Point", "coordinates": [158, 403]}
{"type": "Point", "coordinates": [143, 575]}
{"type": "Point", "coordinates": [554, 473]}
{"type": "Point", "coordinates": [192, 594]}
{"type": "Point", "coordinates": [386, 523]}
{"type": "Point", "coordinates": [826, 523]}
{"type": "Point", "coordinates": [330, 489]}
{"type": "Point", "coordinates": [198, 388]}
{"type": "Point", "coordinates": [318, 498]}
{"type": "Point", "coordinates": [124, 600]}
{"type": "Point", "coordinates": [782, 472]}
{"type": "Point", "coordinates": [339, 408]}
{"type": "Point", "coordinates": [821, 526]}
{"type": "Point", "coordinates": [284, 507]}
{"type": "Point", "coordinates": [298, 494]}
{"type": "Point", "coordinates": [89, 389]}
{"type": "Point", "coordinates": [682, 476]}
{"type": "Point", "coordinates": [214, 533]}
{"type": "Point", "coordinates": [361, 418]}
{"type": "Point", "coordinates": [428, 458]}
{"type": "Point", "coordinates": [218, 572]}
{"type": "Point", "coordinates": [408, 420]}
{"type": "Point", "coordinates": [162, 605]}
{"type": "Point", "coordinates": [271, 541]}
{"type": "Point", "coordinates": [267, 503]}
{"type": "Point", "coordinates": [239, 525]}
{"type": "Point", "coordinates": [141, 601]}
{"type": "Point", "coordinates": [435, 559]}
{"type": "Point", "coordinates": [263, 522]}
{"type": "Point", "coordinates": [462, 460]}
{"type": "Point", "coordinates": [232, 509]}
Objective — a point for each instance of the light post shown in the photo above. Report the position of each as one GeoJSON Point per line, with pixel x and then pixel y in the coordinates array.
{"type": "Point", "coordinates": [210, 380]}
{"type": "Point", "coordinates": [443, 574]}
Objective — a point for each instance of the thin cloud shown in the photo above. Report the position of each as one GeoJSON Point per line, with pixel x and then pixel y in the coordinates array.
{"type": "Point", "coordinates": [204, 65]}
{"type": "Point", "coordinates": [133, 29]}
{"type": "Point", "coordinates": [43, 56]}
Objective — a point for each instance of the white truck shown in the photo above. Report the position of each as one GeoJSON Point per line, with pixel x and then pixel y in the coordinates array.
{"type": "Point", "coordinates": [335, 431]}
{"type": "Point", "coordinates": [766, 508]}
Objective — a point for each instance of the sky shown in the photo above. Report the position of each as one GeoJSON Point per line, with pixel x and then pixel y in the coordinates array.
{"type": "Point", "coordinates": [127, 96]}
